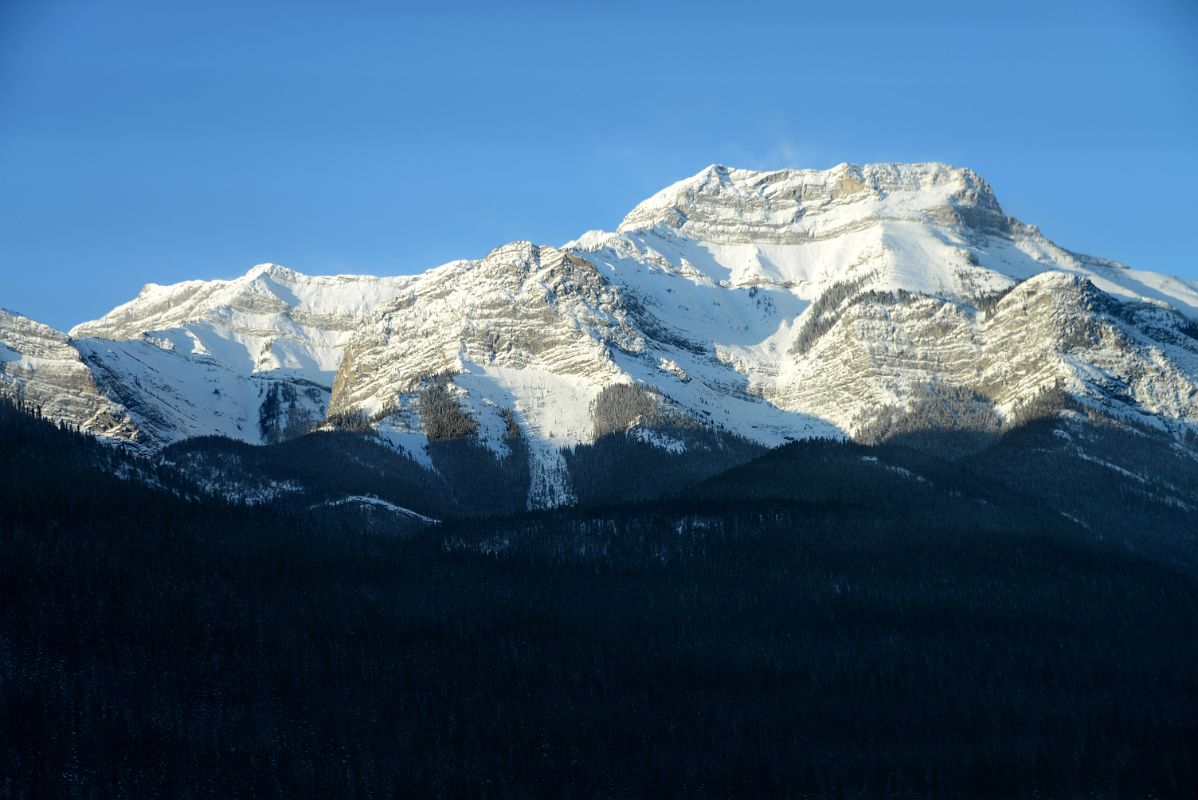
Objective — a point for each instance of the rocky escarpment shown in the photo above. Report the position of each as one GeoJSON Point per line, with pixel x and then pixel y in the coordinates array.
{"type": "Point", "coordinates": [527, 335]}
{"type": "Point", "coordinates": [1052, 330]}
{"type": "Point", "coordinates": [42, 368]}
{"type": "Point", "coordinates": [523, 308]}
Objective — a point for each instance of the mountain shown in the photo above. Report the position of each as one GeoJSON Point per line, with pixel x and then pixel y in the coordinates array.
{"type": "Point", "coordinates": [252, 359]}
{"type": "Point", "coordinates": [733, 310]}
{"type": "Point", "coordinates": [856, 286]}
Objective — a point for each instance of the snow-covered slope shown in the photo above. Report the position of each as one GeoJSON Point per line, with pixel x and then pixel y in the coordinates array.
{"type": "Point", "coordinates": [927, 228]}
{"type": "Point", "coordinates": [769, 305]}
{"type": "Point", "coordinates": [251, 358]}
{"type": "Point", "coordinates": [838, 291]}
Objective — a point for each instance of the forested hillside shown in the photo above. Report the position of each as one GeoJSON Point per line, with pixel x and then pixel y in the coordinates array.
{"type": "Point", "coordinates": [796, 643]}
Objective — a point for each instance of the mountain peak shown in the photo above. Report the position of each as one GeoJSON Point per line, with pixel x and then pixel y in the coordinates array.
{"type": "Point", "coordinates": [273, 270]}
{"type": "Point", "coordinates": [728, 203]}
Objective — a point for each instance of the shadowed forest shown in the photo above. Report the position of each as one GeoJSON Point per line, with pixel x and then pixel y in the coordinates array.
{"type": "Point", "coordinates": [765, 633]}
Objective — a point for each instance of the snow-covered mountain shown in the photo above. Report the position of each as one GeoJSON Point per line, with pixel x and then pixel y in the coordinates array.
{"type": "Point", "coordinates": [251, 358]}
{"type": "Point", "coordinates": [769, 305]}
{"type": "Point", "coordinates": [850, 287]}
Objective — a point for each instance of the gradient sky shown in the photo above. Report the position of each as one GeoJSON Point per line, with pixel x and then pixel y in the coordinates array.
{"type": "Point", "coordinates": [156, 141]}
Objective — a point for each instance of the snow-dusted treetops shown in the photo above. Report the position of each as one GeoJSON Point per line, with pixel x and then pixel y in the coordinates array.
{"type": "Point", "coordinates": [765, 306]}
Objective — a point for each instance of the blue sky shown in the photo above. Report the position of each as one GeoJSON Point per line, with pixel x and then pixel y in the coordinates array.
{"type": "Point", "coordinates": [155, 141]}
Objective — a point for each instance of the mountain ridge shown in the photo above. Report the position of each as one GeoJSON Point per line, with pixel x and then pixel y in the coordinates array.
{"type": "Point", "coordinates": [769, 306]}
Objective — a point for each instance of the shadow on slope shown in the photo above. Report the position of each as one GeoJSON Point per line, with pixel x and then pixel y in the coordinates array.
{"type": "Point", "coordinates": [467, 479]}
{"type": "Point", "coordinates": [649, 463]}
{"type": "Point", "coordinates": [1101, 477]}
{"type": "Point", "coordinates": [1130, 484]}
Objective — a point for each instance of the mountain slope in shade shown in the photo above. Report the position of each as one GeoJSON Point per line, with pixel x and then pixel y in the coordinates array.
{"type": "Point", "coordinates": [765, 306]}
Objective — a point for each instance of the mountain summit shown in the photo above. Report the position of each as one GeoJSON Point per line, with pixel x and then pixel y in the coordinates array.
{"type": "Point", "coordinates": [762, 306]}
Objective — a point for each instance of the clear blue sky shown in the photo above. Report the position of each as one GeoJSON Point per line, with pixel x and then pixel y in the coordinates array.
{"type": "Point", "coordinates": [156, 141]}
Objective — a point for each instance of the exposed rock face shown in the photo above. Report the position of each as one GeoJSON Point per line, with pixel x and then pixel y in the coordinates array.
{"type": "Point", "coordinates": [527, 331]}
{"type": "Point", "coordinates": [771, 305]}
{"type": "Point", "coordinates": [40, 365]}
{"type": "Point", "coordinates": [1054, 328]}
{"type": "Point", "coordinates": [522, 308]}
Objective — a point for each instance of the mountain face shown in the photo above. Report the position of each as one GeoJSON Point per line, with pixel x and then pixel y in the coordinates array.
{"type": "Point", "coordinates": [763, 307]}
{"type": "Point", "coordinates": [43, 368]}
{"type": "Point", "coordinates": [252, 359]}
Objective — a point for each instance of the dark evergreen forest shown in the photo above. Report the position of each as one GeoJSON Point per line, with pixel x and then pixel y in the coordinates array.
{"type": "Point", "coordinates": [798, 626]}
